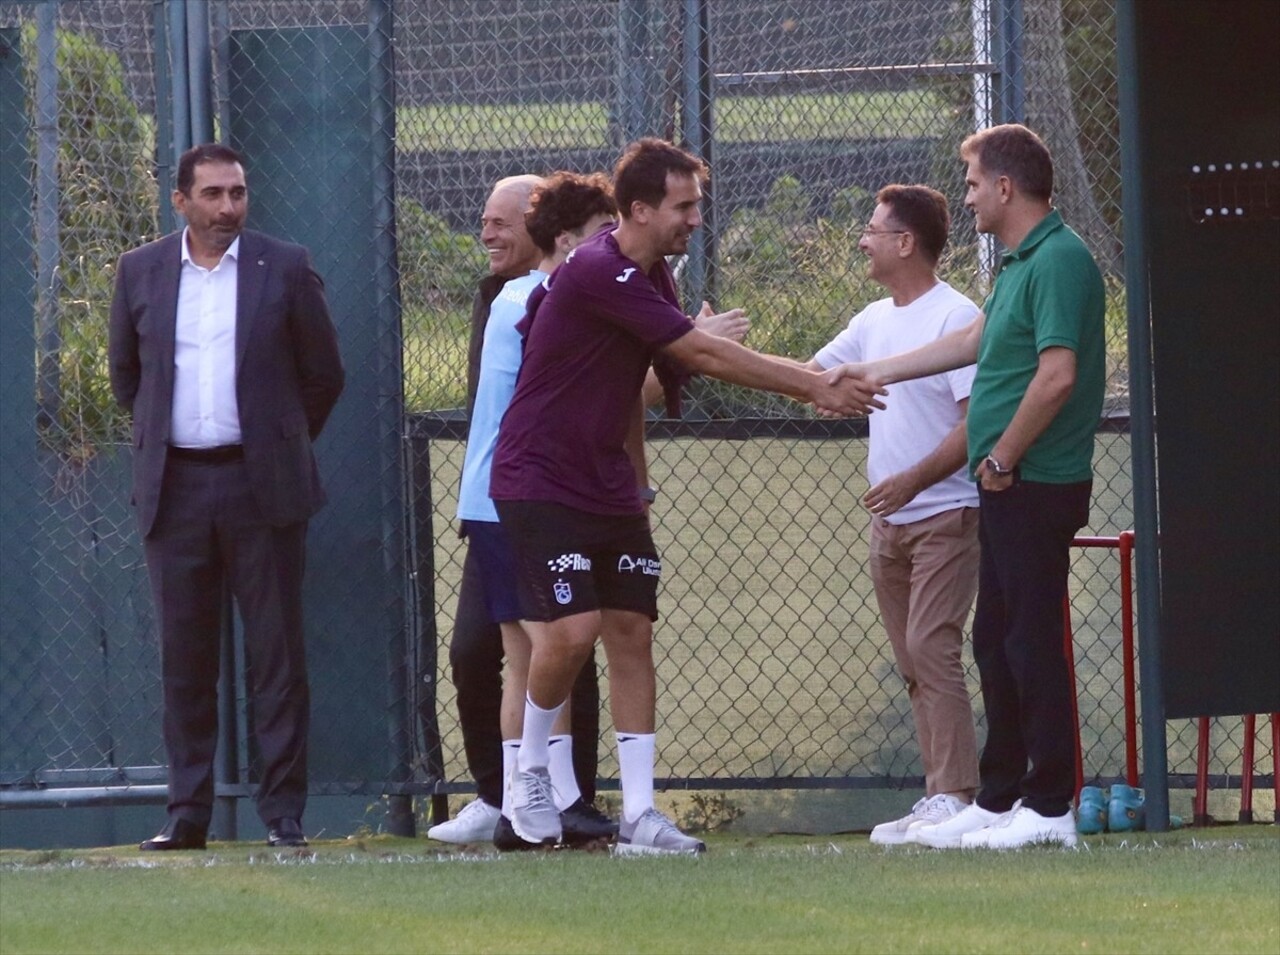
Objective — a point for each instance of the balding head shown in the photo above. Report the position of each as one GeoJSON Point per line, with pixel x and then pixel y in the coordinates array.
{"type": "Point", "coordinates": [502, 229]}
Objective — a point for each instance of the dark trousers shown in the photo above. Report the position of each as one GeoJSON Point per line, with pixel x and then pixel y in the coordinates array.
{"type": "Point", "coordinates": [1025, 534]}
{"type": "Point", "coordinates": [209, 534]}
{"type": "Point", "coordinates": [475, 656]}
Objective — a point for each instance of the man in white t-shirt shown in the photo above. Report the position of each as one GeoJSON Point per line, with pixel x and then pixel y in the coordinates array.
{"type": "Point", "coordinates": [924, 517]}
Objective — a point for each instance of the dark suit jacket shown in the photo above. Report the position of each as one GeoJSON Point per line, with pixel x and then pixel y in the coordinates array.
{"type": "Point", "coordinates": [288, 370]}
{"type": "Point", "coordinates": [486, 292]}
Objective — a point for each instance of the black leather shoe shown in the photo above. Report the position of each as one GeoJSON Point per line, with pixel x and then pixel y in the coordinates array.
{"type": "Point", "coordinates": [583, 822]}
{"type": "Point", "coordinates": [178, 833]}
{"type": "Point", "coordinates": [285, 832]}
{"type": "Point", "coordinates": [506, 840]}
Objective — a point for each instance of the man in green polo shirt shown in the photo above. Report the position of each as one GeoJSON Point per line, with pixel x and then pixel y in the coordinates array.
{"type": "Point", "coordinates": [1033, 411]}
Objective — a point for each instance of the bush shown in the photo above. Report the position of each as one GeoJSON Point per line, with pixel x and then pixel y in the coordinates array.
{"type": "Point", "coordinates": [798, 277]}
{"type": "Point", "coordinates": [107, 205]}
{"type": "Point", "coordinates": [439, 269]}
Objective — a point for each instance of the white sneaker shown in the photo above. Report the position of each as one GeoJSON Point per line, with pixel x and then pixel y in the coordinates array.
{"type": "Point", "coordinates": [947, 834]}
{"type": "Point", "coordinates": [534, 816]}
{"type": "Point", "coordinates": [474, 824]}
{"type": "Point", "coordinates": [655, 834]}
{"type": "Point", "coordinates": [1024, 827]}
{"type": "Point", "coordinates": [926, 812]}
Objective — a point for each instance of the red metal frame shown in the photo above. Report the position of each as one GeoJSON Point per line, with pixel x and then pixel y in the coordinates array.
{"type": "Point", "coordinates": [1124, 544]}
{"type": "Point", "coordinates": [1200, 804]}
{"type": "Point", "coordinates": [1200, 810]}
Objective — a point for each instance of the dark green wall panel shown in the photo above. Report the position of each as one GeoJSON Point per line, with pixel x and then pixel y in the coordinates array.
{"type": "Point", "coordinates": [300, 113]}
{"type": "Point", "coordinates": [1209, 81]}
{"type": "Point", "coordinates": [19, 630]}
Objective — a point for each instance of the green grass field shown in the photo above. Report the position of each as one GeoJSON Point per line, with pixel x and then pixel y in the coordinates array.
{"type": "Point", "coordinates": [737, 119]}
{"type": "Point", "coordinates": [1190, 891]}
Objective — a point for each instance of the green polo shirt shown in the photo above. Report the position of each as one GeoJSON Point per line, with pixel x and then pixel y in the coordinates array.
{"type": "Point", "coordinates": [1048, 292]}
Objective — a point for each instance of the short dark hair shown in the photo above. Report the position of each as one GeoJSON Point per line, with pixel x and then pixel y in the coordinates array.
{"type": "Point", "coordinates": [641, 173]}
{"type": "Point", "coordinates": [195, 156]}
{"type": "Point", "coordinates": [923, 212]}
{"type": "Point", "coordinates": [565, 202]}
{"type": "Point", "coordinates": [1013, 150]}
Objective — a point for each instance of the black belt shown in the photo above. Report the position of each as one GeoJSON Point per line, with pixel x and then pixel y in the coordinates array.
{"type": "Point", "coordinates": [224, 454]}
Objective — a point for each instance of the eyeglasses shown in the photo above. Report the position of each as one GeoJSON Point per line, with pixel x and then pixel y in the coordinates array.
{"type": "Point", "coordinates": [869, 232]}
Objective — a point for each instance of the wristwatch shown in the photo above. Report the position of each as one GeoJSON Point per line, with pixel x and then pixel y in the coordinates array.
{"type": "Point", "coordinates": [994, 467]}
{"type": "Point", "coordinates": [648, 494]}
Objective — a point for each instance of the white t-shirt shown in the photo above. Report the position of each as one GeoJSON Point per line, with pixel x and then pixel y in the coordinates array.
{"type": "Point", "coordinates": [918, 414]}
{"type": "Point", "coordinates": [500, 359]}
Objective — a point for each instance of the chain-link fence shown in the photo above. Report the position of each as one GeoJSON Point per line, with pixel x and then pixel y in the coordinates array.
{"type": "Point", "coordinates": [773, 666]}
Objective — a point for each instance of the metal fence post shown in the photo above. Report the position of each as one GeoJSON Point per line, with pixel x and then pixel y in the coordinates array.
{"type": "Point", "coordinates": [1155, 750]}
{"type": "Point", "coordinates": [164, 156]}
{"type": "Point", "coordinates": [983, 99]}
{"type": "Point", "coordinates": [200, 67]}
{"type": "Point", "coordinates": [48, 334]}
{"type": "Point", "coordinates": [696, 118]}
{"type": "Point", "coordinates": [179, 78]}
{"type": "Point", "coordinates": [639, 106]}
{"type": "Point", "coordinates": [400, 817]}
{"type": "Point", "coordinates": [1010, 79]}
{"type": "Point", "coordinates": [220, 27]}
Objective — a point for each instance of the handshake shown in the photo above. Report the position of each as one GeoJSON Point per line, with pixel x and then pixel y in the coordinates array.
{"type": "Point", "coordinates": [847, 390]}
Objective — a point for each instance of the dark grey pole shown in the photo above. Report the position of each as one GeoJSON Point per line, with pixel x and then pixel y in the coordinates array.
{"type": "Point", "coordinates": [220, 28]}
{"type": "Point", "coordinates": [48, 241]}
{"type": "Point", "coordinates": [1011, 83]}
{"type": "Point", "coordinates": [1155, 761]}
{"type": "Point", "coordinates": [164, 114]}
{"type": "Point", "coordinates": [179, 77]}
{"type": "Point", "coordinates": [639, 107]}
{"type": "Point", "coordinates": [200, 71]}
{"type": "Point", "coordinates": [699, 138]}
{"type": "Point", "coordinates": [390, 411]}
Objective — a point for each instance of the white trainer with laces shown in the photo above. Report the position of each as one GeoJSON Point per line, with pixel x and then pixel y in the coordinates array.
{"type": "Point", "coordinates": [475, 823]}
{"type": "Point", "coordinates": [1024, 827]}
{"type": "Point", "coordinates": [655, 834]}
{"type": "Point", "coordinates": [947, 834]}
{"type": "Point", "coordinates": [534, 816]}
{"type": "Point", "coordinates": [926, 812]}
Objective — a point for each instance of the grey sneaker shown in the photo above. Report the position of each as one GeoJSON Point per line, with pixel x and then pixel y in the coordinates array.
{"type": "Point", "coordinates": [655, 834]}
{"type": "Point", "coordinates": [927, 812]}
{"type": "Point", "coordinates": [533, 809]}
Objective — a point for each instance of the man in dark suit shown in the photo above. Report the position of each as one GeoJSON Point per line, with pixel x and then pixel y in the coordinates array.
{"type": "Point", "coordinates": [222, 347]}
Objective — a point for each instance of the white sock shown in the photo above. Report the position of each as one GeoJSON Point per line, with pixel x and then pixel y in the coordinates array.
{"type": "Point", "coordinates": [510, 749]}
{"type": "Point", "coordinates": [635, 762]}
{"type": "Point", "coordinates": [563, 781]}
{"type": "Point", "coordinates": [537, 730]}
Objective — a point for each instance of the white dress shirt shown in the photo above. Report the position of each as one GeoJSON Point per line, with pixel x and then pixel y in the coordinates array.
{"type": "Point", "coordinates": [205, 413]}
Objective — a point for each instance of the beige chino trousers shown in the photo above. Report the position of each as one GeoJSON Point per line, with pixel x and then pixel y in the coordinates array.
{"type": "Point", "coordinates": [925, 576]}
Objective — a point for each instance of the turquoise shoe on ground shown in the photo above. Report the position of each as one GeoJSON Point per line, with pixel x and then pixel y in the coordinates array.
{"type": "Point", "coordinates": [1091, 818]}
{"type": "Point", "coordinates": [1126, 810]}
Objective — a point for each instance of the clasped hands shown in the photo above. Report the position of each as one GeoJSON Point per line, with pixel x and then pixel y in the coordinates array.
{"type": "Point", "coordinates": [846, 390]}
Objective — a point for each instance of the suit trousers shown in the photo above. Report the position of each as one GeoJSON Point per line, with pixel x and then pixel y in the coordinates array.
{"type": "Point", "coordinates": [210, 534]}
{"type": "Point", "coordinates": [1026, 533]}
{"type": "Point", "coordinates": [925, 574]}
{"type": "Point", "coordinates": [475, 658]}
